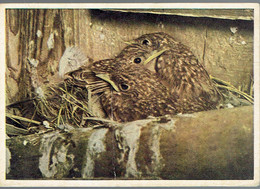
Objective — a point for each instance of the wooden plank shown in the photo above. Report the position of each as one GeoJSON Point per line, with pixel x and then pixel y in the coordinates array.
{"type": "Point", "coordinates": [212, 145]}
{"type": "Point", "coordinates": [232, 14]}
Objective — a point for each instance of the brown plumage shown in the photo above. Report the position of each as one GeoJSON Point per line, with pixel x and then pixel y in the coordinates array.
{"type": "Point", "coordinates": [173, 82]}
{"type": "Point", "coordinates": [177, 68]}
{"type": "Point", "coordinates": [136, 93]}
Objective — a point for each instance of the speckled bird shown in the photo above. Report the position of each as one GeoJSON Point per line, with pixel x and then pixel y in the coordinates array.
{"type": "Point", "coordinates": [127, 92]}
{"type": "Point", "coordinates": [177, 68]}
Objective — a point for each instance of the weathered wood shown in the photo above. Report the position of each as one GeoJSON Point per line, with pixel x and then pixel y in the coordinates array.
{"type": "Point", "coordinates": [211, 145]}
{"type": "Point", "coordinates": [225, 47]}
{"type": "Point", "coordinates": [233, 14]}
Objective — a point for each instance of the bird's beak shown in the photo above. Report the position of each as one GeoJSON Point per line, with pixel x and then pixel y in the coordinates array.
{"type": "Point", "coordinates": [129, 42]}
{"type": "Point", "coordinates": [106, 78]}
{"type": "Point", "coordinates": [154, 54]}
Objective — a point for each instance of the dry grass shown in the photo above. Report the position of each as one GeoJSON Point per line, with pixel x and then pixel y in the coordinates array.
{"type": "Point", "coordinates": [60, 104]}
{"type": "Point", "coordinates": [229, 87]}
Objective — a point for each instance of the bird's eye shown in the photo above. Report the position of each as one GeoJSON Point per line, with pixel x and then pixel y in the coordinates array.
{"type": "Point", "coordinates": [137, 60]}
{"type": "Point", "coordinates": [124, 87]}
{"type": "Point", "coordinates": [145, 42]}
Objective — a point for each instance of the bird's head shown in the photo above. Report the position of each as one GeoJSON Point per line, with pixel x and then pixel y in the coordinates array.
{"type": "Point", "coordinates": [136, 55]}
{"type": "Point", "coordinates": [127, 81]}
{"type": "Point", "coordinates": [154, 41]}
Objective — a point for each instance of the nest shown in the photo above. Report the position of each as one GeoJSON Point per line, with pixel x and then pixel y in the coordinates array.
{"type": "Point", "coordinates": [232, 95]}
{"type": "Point", "coordinates": [53, 106]}
{"type": "Point", "coordinates": [63, 104]}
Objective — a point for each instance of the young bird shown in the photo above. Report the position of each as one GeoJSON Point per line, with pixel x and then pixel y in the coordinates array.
{"type": "Point", "coordinates": [177, 68]}
{"type": "Point", "coordinates": [127, 92]}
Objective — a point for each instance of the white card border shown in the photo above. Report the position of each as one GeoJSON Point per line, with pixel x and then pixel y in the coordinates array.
{"type": "Point", "coordinates": [132, 183]}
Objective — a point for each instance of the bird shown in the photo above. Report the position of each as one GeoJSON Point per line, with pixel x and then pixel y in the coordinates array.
{"type": "Point", "coordinates": [127, 93]}
{"type": "Point", "coordinates": [177, 68]}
